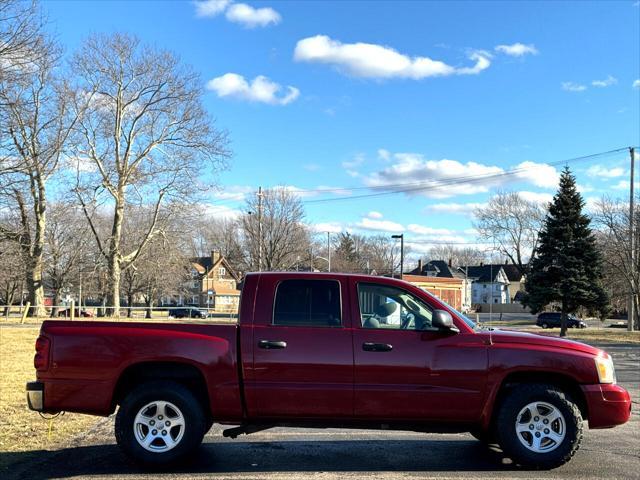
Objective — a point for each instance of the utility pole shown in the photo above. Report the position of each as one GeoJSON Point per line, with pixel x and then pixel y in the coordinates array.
{"type": "Point", "coordinates": [329, 250]}
{"type": "Point", "coordinates": [401, 237]}
{"type": "Point", "coordinates": [632, 240]}
{"type": "Point", "coordinates": [260, 195]}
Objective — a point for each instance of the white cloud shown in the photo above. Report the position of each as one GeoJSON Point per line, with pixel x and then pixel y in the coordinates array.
{"type": "Point", "coordinates": [322, 189]}
{"type": "Point", "coordinates": [384, 154]}
{"type": "Point", "coordinates": [251, 17]}
{"type": "Point", "coordinates": [539, 174]}
{"type": "Point", "coordinates": [379, 225]}
{"type": "Point", "coordinates": [573, 87]}
{"type": "Point", "coordinates": [211, 8]}
{"type": "Point", "coordinates": [375, 215]}
{"type": "Point", "coordinates": [311, 167]}
{"type": "Point", "coordinates": [261, 89]}
{"type": "Point", "coordinates": [221, 211]}
{"type": "Point", "coordinates": [233, 192]}
{"type": "Point", "coordinates": [410, 169]}
{"type": "Point", "coordinates": [625, 184]}
{"type": "Point", "coordinates": [537, 197]}
{"type": "Point", "coordinates": [517, 49]}
{"type": "Point", "coordinates": [369, 60]}
{"type": "Point", "coordinates": [333, 227]}
{"type": "Point", "coordinates": [604, 172]}
{"type": "Point", "coordinates": [412, 174]}
{"type": "Point", "coordinates": [241, 13]}
{"type": "Point", "coordinates": [422, 230]}
{"type": "Point", "coordinates": [455, 208]}
{"type": "Point", "coordinates": [356, 161]}
{"type": "Point", "coordinates": [607, 82]}
{"type": "Point", "coordinates": [636, 83]}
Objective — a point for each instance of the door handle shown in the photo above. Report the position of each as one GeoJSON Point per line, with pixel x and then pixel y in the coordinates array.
{"type": "Point", "coordinates": [272, 344]}
{"type": "Point", "coordinates": [376, 347]}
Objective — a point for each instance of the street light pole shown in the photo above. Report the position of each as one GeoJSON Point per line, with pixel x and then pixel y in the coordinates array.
{"type": "Point", "coordinates": [329, 250]}
{"type": "Point", "coordinates": [401, 237]}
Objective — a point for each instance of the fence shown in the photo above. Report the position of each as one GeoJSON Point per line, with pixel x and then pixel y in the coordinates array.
{"type": "Point", "coordinates": [19, 314]}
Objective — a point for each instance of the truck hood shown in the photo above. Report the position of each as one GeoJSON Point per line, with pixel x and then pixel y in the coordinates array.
{"type": "Point", "coordinates": [514, 336]}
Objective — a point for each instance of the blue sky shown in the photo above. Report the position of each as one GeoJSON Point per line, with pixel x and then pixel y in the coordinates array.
{"type": "Point", "coordinates": [372, 94]}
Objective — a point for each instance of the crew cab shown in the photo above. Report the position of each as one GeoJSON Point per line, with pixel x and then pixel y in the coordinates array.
{"type": "Point", "coordinates": [328, 350]}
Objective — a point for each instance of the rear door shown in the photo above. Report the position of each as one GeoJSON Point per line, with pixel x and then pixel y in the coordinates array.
{"type": "Point", "coordinates": [302, 348]}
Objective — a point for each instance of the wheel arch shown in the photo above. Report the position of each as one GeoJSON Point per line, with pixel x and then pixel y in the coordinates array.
{"type": "Point", "coordinates": [185, 374]}
{"type": "Point", "coordinates": [563, 382]}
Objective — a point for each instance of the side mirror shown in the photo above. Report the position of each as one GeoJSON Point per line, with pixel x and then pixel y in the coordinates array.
{"type": "Point", "coordinates": [442, 320]}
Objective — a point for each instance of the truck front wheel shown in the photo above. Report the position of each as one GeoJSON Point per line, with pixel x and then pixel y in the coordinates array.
{"type": "Point", "coordinates": [539, 426]}
{"type": "Point", "coordinates": [159, 423]}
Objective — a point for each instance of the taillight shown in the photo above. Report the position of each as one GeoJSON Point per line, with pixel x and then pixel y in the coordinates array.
{"type": "Point", "coordinates": [41, 359]}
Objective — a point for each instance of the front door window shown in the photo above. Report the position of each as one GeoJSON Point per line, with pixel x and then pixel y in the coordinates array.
{"type": "Point", "coordinates": [387, 307]}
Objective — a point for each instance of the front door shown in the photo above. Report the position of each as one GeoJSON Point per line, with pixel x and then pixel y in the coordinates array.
{"type": "Point", "coordinates": [404, 368]}
{"type": "Point", "coordinates": [303, 353]}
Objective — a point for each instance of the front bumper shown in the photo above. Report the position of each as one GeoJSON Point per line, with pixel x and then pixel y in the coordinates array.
{"type": "Point", "coordinates": [35, 396]}
{"type": "Point", "coordinates": [608, 405]}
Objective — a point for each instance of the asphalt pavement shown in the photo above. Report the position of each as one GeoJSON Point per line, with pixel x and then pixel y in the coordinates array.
{"type": "Point", "coordinates": [338, 454]}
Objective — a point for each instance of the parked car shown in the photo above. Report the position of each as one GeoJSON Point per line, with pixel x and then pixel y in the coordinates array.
{"type": "Point", "coordinates": [328, 350]}
{"type": "Point", "coordinates": [77, 312]}
{"type": "Point", "coordinates": [552, 320]}
{"type": "Point", "coordinates": [188, 312]}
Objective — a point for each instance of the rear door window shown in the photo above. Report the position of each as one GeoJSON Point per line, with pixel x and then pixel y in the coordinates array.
{"type": "Point", "coordinates": [309, 303]}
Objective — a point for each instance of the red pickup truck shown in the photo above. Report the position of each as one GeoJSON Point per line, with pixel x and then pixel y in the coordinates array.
{"type": "Point", "coordinates": [328, 350]}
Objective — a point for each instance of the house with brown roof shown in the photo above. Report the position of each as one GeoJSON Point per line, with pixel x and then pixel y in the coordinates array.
{"type": "Point", "coordinates": [214, 284]}
{"type": "Point", "coordinates": [441, 279]}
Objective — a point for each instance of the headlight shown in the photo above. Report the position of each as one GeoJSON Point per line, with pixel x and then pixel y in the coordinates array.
{"type": "Point", "coordinates": [606, 372]}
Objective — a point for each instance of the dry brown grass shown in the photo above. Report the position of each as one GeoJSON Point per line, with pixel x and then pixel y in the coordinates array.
{"type": "Point", "coordinates": [593, 335]}
{"type": "Point", "coordinates": [20, 428]}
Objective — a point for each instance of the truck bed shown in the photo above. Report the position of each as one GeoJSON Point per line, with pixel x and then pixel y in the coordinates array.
{"type": "Point", "coordinates": [91, 360]}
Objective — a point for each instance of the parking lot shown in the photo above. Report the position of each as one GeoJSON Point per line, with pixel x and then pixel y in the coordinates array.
{"type": "Point", "coordinates": [339, 454]}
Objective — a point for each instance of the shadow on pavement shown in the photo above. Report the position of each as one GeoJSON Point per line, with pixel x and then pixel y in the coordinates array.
{"type": "Point", "coordinates": [287, 456]}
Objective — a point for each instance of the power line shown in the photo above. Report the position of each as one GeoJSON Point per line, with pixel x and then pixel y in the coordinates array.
{"type": "Point", "coordinates": [424, 185]}
{"type": "Point", "coordinates": [470, 179]}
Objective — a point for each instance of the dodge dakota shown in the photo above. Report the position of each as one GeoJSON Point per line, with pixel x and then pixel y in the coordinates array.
{"type": "Point", "coordinates": [328, 350]}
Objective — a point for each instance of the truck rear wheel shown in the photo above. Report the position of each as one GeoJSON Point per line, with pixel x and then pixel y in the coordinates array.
{"type": "Point", "coordinates": [539, 426]}
{"type": "Point", "coordinates": [159, 423]}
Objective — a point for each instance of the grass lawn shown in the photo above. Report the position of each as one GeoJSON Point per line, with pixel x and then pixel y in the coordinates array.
{"type": "Point", "coordinates": [20, 428]}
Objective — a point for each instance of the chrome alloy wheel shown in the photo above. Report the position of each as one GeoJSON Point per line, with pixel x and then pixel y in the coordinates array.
{"type": "Point", "coordinates": [159, 426]}
{"type": "Point", "coordinates": [540, 427]}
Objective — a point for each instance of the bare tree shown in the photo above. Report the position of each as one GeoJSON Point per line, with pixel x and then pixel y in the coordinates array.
{"type": "Point", "coordinates": [221, 234]}
{"type": "Point", "coordinates": [512, 224]}
{"type": "Point", "coordinates": [67, 237]}
{"type": "Point", "coordinates": [146, 137]}
{"type": "Point", "coordinates": [11, 274]}
{"type": "Point", "coordinates": [459, 256]}
{"type": "Point", "coordinates": [35, 125]}
{"type": "Point", "coordinates": [285, 238]}
{"type": "Point", "coordinates": [379, 254]}
{"type": "Point", "coordinates": [21, 38]}
{"type": "Point", "coordinates": [611, 219]}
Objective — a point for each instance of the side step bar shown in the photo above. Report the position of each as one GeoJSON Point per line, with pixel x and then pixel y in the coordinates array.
{"type": "Point", "coordinates": [244, 429]}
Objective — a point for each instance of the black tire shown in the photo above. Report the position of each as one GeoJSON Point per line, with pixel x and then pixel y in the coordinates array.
{"type": "Point", "coordinates": [545, 325]}
{"type": "Point", "coordinates": [195, 422]}
{"type": "Point", "coordinates": [519, 397]}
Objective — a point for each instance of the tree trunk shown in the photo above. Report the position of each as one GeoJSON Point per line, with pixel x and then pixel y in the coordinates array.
{"type": "Point", "coordinates": [563, 319]}
{"type": "Point", "coordinates": [35, 288]}
{"type": "Point", "coordinates": [114, 254]}
{"type": "Point", "coordinates": [102, 311]}
{"type": "Point", "coordinates": [129, 304]}
{"type": "Point", "coordinates": [149, 304]}
{"type": "Point", "coordinates": [56, 302]}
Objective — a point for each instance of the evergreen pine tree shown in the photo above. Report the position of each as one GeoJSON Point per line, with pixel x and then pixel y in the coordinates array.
{"type": "Point", "coordinates": [567, 268]}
